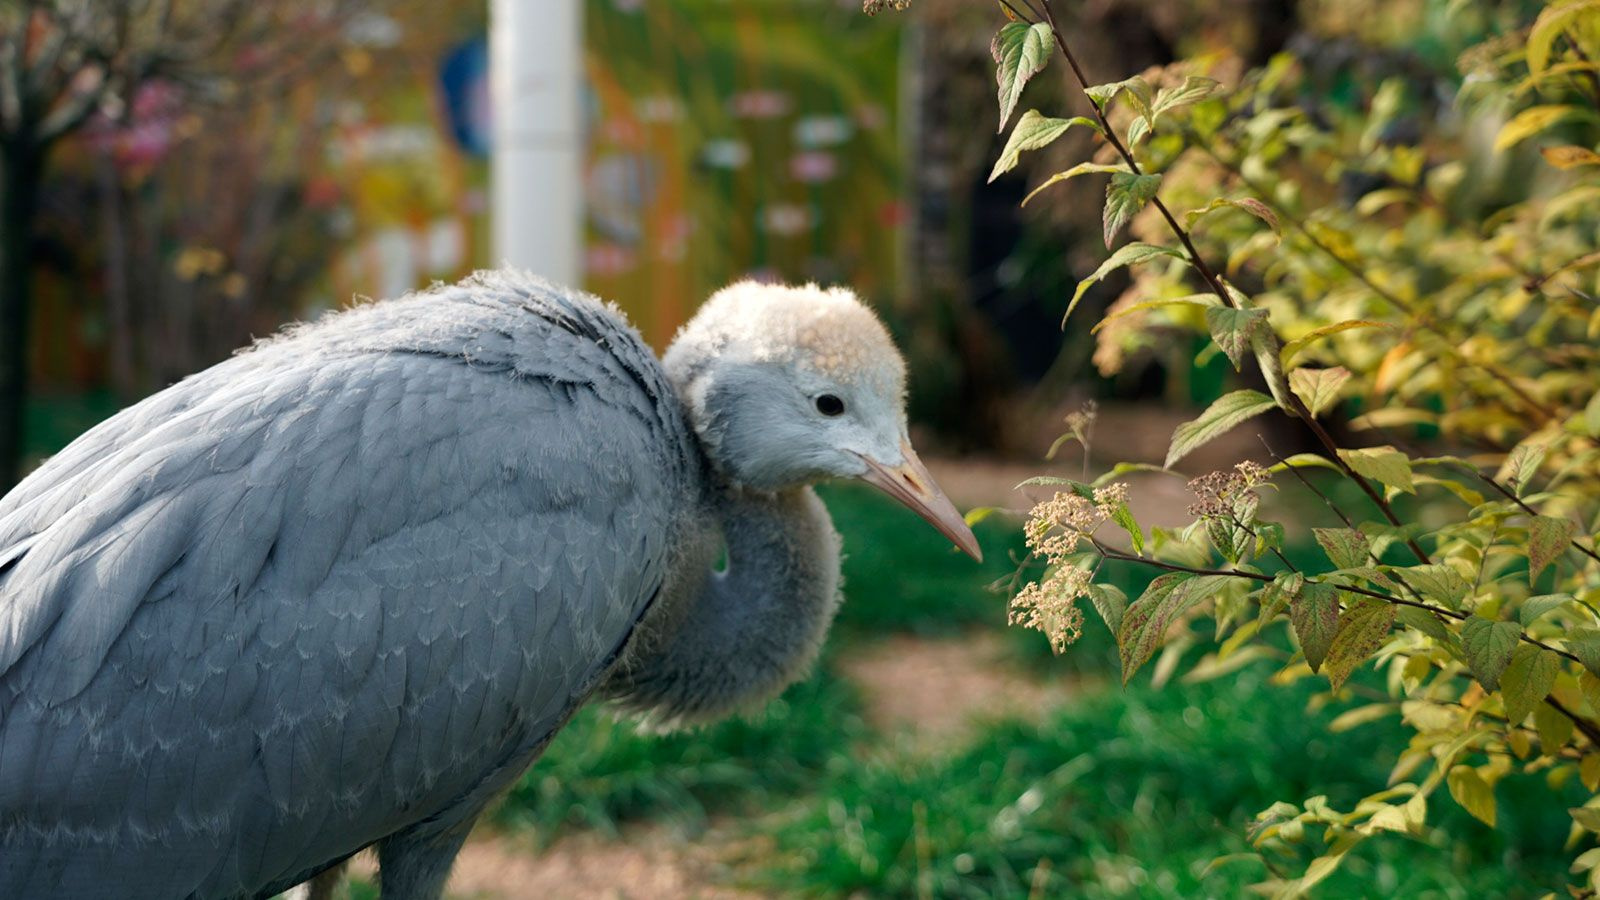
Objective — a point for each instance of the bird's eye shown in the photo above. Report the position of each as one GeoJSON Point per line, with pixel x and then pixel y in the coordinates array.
{"type": "Point", "coordinates": [830, 405]}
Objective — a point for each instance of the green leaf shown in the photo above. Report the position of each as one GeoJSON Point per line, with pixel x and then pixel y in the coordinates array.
{"type": "Point", "coordinates": [1124, 468]}
{"type": "Point", "coordinates": [1125, 196]}
{"type": "Point", "coordinates": [1382, 464]}
{"type": "Point", "coordinates": [1194, 89]}
{"type": "Point", "coordinates": [1314, 613]}
{"type": "Point", "coordinates": [1436, 582]}
{"type": "Point", "coordinates": [1269, 536]}
{"type": "Point", "coordinates": [1219, 417]}
{"type": "Point", "coordinates": [1124, 518]}
{"type": "Point", "coordinates": [1126, 255]}
{"type": "Point", "coordinates": [1110, 602]}
{"type": "Point", "coordinates": [1361, 632]}
{"type": "Point", "coordinates": [1319, 388]}
{"type": "Point", "coordinates": [1533, 608]}
{"type": "Point", "coordinates": [1146, 621]}
{"type": "Point", "coordinates": [1032, 132]}
{"type": "Point", "coordinates": [1548, 537]}
{"type": "Point", "coordinates": [1551, 22]}
{"type": "Point", "coordinates": [1233, 328]}
{"type": "Point", "coordinates": [1528, 680]}
{"type": "Point", "coordinates": [1077, 487]}
{"type": "Point", "coordinates": [1020, 51]}
{"type": "Point", "coordinates": [1292, 348]}
{"type": "Point", "coordinates": [1591, 415]}
{"type": "Point", "coordinates": [1585, 645]}
{"type": "Point", "coordinates": [1074, 172]}
{"type": "Point", "coordinates": [1304, 461]}
{"type": "Point", "coordinates": [1136, 88]}
{"type": "Point", "coordinates": [978, 514]}
{"type": "Point", "coordinates": [1488, 646]}
{"type": "Point", "coordinates": [1347, 548]}
{"type": "Point", "coordinates": [1472, 793]}
{"type": "Point", "coordinates": [1533, 120]}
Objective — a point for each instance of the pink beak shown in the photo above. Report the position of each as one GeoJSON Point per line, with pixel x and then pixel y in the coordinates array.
{"type": "Point", "coordinates": [911, 484]}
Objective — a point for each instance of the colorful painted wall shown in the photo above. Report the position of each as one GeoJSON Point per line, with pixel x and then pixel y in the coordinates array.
{"type": "Point", "coordinates": [757, 138]}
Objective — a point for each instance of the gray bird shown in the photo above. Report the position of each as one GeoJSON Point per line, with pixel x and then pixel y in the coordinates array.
{"type": "Point", "coordinates": [341, 590]}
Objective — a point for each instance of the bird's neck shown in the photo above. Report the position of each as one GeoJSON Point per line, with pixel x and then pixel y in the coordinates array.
{"type": "Point", "coordinates": [731, 639]}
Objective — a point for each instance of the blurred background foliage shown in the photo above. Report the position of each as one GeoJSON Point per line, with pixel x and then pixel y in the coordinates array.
{"type": "Point", "coordinates": [803, 140]}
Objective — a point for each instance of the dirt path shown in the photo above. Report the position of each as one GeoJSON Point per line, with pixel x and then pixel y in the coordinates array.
{"type": "Point", "coordinates": [936, 694]}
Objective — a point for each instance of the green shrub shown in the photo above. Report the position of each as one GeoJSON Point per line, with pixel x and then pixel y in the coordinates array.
{"type": "Point", "coordinates": [1399, 252]}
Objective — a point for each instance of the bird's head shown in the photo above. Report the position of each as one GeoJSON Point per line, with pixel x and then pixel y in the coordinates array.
{"type": "Point", "coordinates": [792, 385]}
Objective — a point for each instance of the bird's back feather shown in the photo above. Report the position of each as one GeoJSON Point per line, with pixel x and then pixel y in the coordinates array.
{"type": "Point", "coordinates": [309, 597]}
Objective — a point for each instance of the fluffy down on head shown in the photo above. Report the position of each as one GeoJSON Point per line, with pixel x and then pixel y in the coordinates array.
{"type": "Point", "coordinates": [826, 330]}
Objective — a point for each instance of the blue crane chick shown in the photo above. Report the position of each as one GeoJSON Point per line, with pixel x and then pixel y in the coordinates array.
{"type": "Point", "coordinates": [341, 590]}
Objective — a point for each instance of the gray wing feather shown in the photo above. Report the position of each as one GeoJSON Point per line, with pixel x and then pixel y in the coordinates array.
{"type": "Point", "coordinates": [316, 593]}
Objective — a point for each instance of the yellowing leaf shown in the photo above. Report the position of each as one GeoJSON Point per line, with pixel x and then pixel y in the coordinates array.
{"type": "Point", "coordinates": [1528, 680]}
{"type": "Point", "coordinates": [1125, 196]}
{"type": "Point", "coordinates": [1292, 348]}
{"type": "Point", "coordinates": [1347, 548]}
{"type": "Point", "coordinates": [1074, 172]}
{"type": "Point", "coordinates": [1249, 204]}
{"type": "Point", "coordinates": [1020, 50]}
{"type": "Point", "coordinates": [1319, 388]}
{"type": "Point", "coordinates": [1590, 686]}
{"type": "Point", "coordinates": [1194, 89]}
{"type": "Point", "coordinates": [1554, 729]}
{"type": "Point", "coordinates": [1531, 121]}
{"type": "Point", "coordinates": [1587, 816]}
{"type": "Point", "coordinates": [1551, 22]}
{"type": "Point", "coordinates": [1361, 632]}
{"type": "Point", "coordinates": [1523, 463]}
{"type": "Point", "coordinates": [1382, 464]}
{"type": "Point", "coordinates": [1473, 793]}
{"type": "Point", "coordinates": [1146, 621]}
{"type": "Point", "coordinates": [1589, 772]}
{"type": "Point", "coordinates": [1437, 582]}
{"type": "Point", "coordinates": [1136, 88]}
{"type": "Point", "coordinates": [1570, 157]}
{"type": "Point", "coordinates": [1314, 612]}
{"type": "Point", "coordinates": [1126, 255]}
{"type": "Point", "coordinates": [1548, 537]}
{"type": "Point", "coordinates": [1195, 301]}
{"type": "Point", "coordinates": [1032, 132]}
{"type": "Point", "coordinates": [1219, 417]}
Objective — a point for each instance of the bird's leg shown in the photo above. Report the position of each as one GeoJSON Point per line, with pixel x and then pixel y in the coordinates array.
{"type": "Point", "coordinates": [415, 864]}
{"type": "Point", "coordinates": [326, 883]}
{"type": "Point", "coordinates": [735, 638]}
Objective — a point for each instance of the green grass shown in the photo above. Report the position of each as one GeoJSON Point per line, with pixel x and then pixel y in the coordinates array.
{"type": "Point", "coordinates": [601, 772]}
{"type": "Point", "coordinates": [902, 576]}
{"type": "Point", "coordinates": [1132, 793]}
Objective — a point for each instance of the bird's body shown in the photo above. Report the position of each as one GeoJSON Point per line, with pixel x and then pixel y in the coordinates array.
{"type": "Point", "coordinates": [341, 590]}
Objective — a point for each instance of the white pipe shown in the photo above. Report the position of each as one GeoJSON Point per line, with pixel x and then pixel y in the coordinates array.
{"type": "Point", "coordinates": [536, 79]}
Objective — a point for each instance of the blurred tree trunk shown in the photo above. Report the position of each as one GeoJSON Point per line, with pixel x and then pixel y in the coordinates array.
{"type": "Point", "coordinates": [20, 167]}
